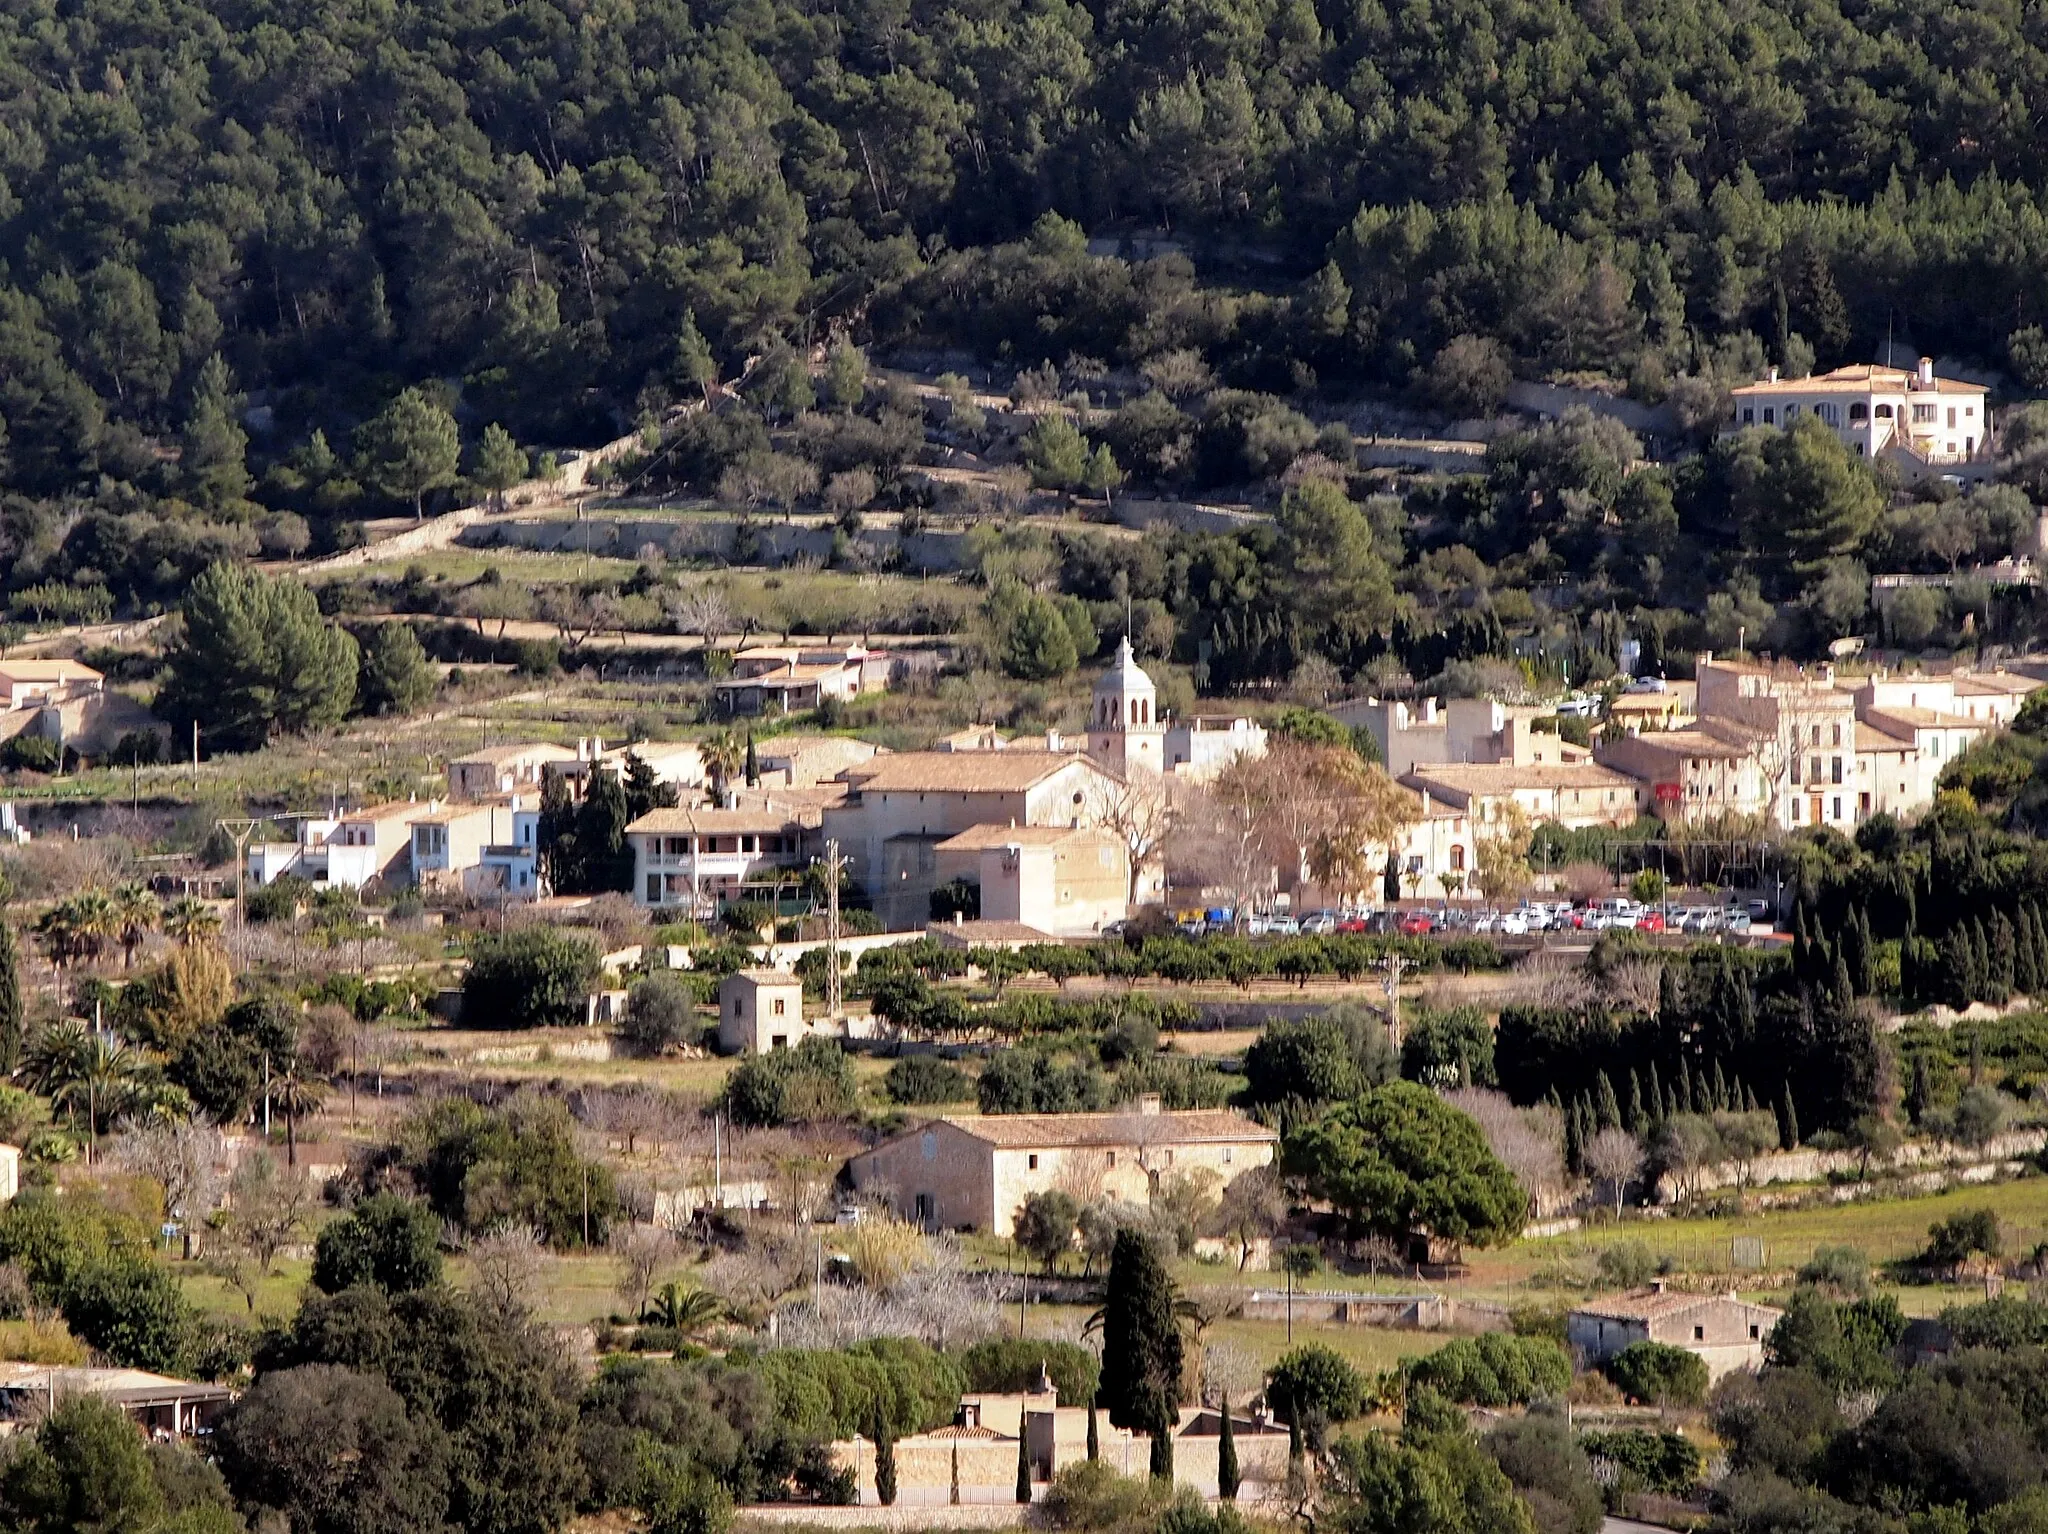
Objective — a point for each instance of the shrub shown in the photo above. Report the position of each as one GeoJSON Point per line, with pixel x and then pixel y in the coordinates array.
{"type": "Point", "coordinates": [1089, 1495]}
{"type": "Point", "coordinates": [661, 1013]}
{"type": "Point", "coordinates": [1627, 1265]}
{"type": "Point", "coordinates": [806, 1085]}
{"type": "Point", "coordinates": [1667, 1463]}
{"type": "Point", "coordinates": [1011, 1364]}
{"type": "Point", "coordinates": [1494, 1370]}
{"type": "Point", "coordinates": [919, 1079]}
{"type": "Point", "coordinates": [391, 1242]}
{"type": "Point", "coordinates": [1962, 1236]}
{"type": "Point", "coordinates": [1841, 1270]}
{"type": "Point", "coordinates": [31, 753]}
{"type": "Point", "coordinates": [1658, 1374]}
{"type": "Point", "coordinates": [534, 978]}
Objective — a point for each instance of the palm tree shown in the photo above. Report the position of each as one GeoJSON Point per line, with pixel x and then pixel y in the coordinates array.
{"type": "Point", "coordinates": [190, 921]}
{"type": "Point", "coordinates": [295, 1093]}
{"type": "Point", "coordinates": [137, 913]}
{"type": "Point", "coordinates": [77, 1068]}
{"type": "Point", "coordinates": [58, 934]}
{"type": "Point", "coordinates": [94, 918]}
{"type": "Point", "coordinates": [722, 755]}
{"type": "Point", "coordinates": [687, 1311]}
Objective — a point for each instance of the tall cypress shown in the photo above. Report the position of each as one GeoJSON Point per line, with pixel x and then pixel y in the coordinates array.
{"type": "Point", "coordinates": [1656, 1093]}
{"type": "Point", "coordinates": [1720, 1088]}
{"type": "Point", "coordinates": [1842, 992]}
{"type": "Point", "coordinates": [10, 1000]}
{"type": "Point", "coordinates": [956, 1473]}
{"type": "Point", "coordinates": [1866, 982]}
{"type": "Point", "coordinates": [1980, 944]}
{"type": "Point", "coordinates": [1634, 1122]}
{"type": "Point", "coordinates": [1023, 1457]}
{"type": "Point", "coordinates": [2026, 971]}
{"type": "Point", "coordinates": [885, 1460]}
{"type": "Point", "coordinates": [1788, 1121]}
{"type": "Point", "coordinates": [1094, 1439]}
{"type": "Point", "coordinates": [1685, 1092]}
{"type": "Point", "coordinates": [1226, 1457]}
{"type": "Point", "coordinates": [1606, 1111]}
{"type": "Point", "coordinates": [1667, 995]}
{"type": "Point", "coordinates": [1141, 1347]}
{"type": "Point", "coordinates": [1574, 1141]}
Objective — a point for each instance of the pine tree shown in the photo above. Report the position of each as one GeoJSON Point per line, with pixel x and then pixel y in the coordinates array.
{"type": "Point", "coordinates": [2002, 959]}
{"type": "Point", "coordinates": [1866, 978]}
{"type": "Point", "coordinates": [1606, 1111]}
{"type": "Point", "coordinates": [1980, 962]}
{"type": "Point", "coordinates": [2026, 967]}
{"type": "Point", "coordinates": [1788, 1121]}
{"type": "Point", "coordinates": [885, 1460]}
{"type": "Point", "coordinates": [1685, 1093]}
{"type": "Point", "coordinates": [1023, 1458]}
{"type": "Point", "coordinates": [1226, 1457]}
{"type": "Point", "coordinates": [1634, 1122]}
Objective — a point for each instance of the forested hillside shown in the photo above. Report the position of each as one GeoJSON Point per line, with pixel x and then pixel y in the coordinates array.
{"type": "Point", "coordinates": [579, 210]}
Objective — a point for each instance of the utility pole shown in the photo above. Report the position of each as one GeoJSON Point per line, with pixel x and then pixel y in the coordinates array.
{"type": "Point", "coordinates": [240, 830]}
{"type": "Point", "coordinates": [834, 1004]}
{"type": "Point", "coordinates": [1396, 966]}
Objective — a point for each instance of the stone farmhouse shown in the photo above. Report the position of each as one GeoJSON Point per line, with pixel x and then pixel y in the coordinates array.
{"type": "Point", "coordinates": [1723, 1331]}
{"type": "Point", "coordinates": [973, 1172]}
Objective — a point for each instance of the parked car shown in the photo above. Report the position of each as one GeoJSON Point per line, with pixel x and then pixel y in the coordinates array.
{"type": "Point", "coordinates": [1514, 924]}
{"type": "Point", "coordinates": [1319, 923]}
{"type": "Point", "coordinates": [1486, 921]}
{"type": "Point", "coordinates": [1417, 924]}
{"type": "Point", "coordinates": [1649, 921]}
{"type": "Point", "coordinates": [1356, 922]}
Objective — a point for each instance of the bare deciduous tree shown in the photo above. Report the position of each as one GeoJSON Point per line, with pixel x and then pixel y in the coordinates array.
{"type": "Point", "coordinates": [1528, 1141]}
{"type": "Point", "coordinates": [639, 1253]}
{"type": "Point", "coordinates": [507, 1266]}
{"type": "Point", "coordinates": [1614, 1157]}
{"type": "Point", "coordinates": [188, 1160]}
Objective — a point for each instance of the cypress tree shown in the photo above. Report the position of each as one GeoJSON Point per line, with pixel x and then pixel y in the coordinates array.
{"type": "Point", "coordinates": [1980, 946]}
{"type": "Point", "coordinates": [2040, 945]}
{"type": "Point", "coordinates": [1634, 1122]}
{"type": "Point", "coordinates": [1920, 1094]}
{"type": "Point", "coordinates": [10, 1000]}
{"type": "Point", "coordinates": [885, 1460]}
{"type": "Point", "coordinates": [1667, 995]}
{"type": "Point", "coordinates": [1802, 944]}
{"type": "Point", "coordinates": [1141, 1347]}
{"type": "Point", "coordinates": [1866, 981]}
{"type": "Point", "coordinates": [1656, 1093]}
{"type": "Point", "coordinates": [1672, 1106]}
{"type": "Point", "coordinates": [956, 1472]}
{"type": "Point", "coordinates": [1685, 1093]}
{"type": "Point", "coordinates": [1788, 1121]}
{"type": "Point", "coordinates": [1574, 1140]}
{"type": "Point", "coordinates": [1023, 1459]}
{"type": "Point", "coordinates": [1226, 1458]}
{"type": "Point", "coordinates": [2003, 959]}
{"type": "Point", "coordinates": [1094, 1441]}
{"type": "Point", "coordinates": [1294, 1454]}
{"type": "Point", "coordinates": [1720, 1089]}
{"type": "Point", "coordinates": [1842, 993]}
{"type": "Point", "coordinates": [2026, 971]}
{"type": "Point", "coordinates": [1606, 1111]}
{"type": "Point", "coordinates": [1745, 1013]}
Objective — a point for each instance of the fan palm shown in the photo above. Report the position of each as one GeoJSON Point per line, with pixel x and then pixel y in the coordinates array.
{"type": "Point", "coordinates": [58, 934]}
{"type": "Point", "coordinates": [137, 913]}
{"type": "Point", "coordinates": [295, 1093]}
{"type": "Point", "coordinates": [77, 1068]}
{"type": "Point", "coordinates": [96, 921]}
{"type": "Point", "coordinates": [722, 755]}
{"type": "Point", "coordinates": [190, 921]}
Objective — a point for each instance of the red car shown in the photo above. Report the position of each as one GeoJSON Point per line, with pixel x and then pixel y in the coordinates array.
{"type": "Point", "coordinates": [1650, 921]}
{"type": "Point", "coordinates": [1351, 924]}
{"type": "Point", "coordinates": [1417, 924]}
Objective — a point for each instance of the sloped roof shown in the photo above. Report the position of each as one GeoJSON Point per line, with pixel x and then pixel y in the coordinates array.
{"type": "Point", "coordinates": [1659, 1304]}
{"type": "Point", "coordinates": [960, 772]}
{"type": "Point", "coordinates": [975, 838]}
{"type": "Point", "coordinates": [1031, 1131]}
{"type": "Point", "coordinates": [710, 822]}
{"type": "Point", "coordinates": [499, 756]}
{"type": "Point", "coordinates": [1858, 378]}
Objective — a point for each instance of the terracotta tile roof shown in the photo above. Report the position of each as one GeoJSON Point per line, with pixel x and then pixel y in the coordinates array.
{"type": "Point", "coordinates": [1503, 777]}
{"type": "Point", "coordinates": [47, 671]}
{"type": "Point", "coordinates": [410, 810]}
{"type": "Point", "coordinates": [1657, 1304]}
{"type": "Point", "coordinates": [953, 1432]}
{"type": "Point", "coordinates": [1869, 738]}
{"type": "Point", "coordinates": [985, 934]}
{"type": "Point", "coordinates": [1860, 378]}
{"type": "Point", "coordinates": [1993, 684]}
{"type": "Point", "coordinates": [709, 822]}
{"type": "Point", "coordinates": [960, 772]}
{"type": "Point", "coordinates": [1922, 719]}
{"type": "Point", "coordinates": [766, 976]}
{"type": "Point", "coordinates": [1029, 1131]}
{"type": "Point", "coordinates": [975, 838]}
{"type": "Point", "coordinates": [1693, 743]}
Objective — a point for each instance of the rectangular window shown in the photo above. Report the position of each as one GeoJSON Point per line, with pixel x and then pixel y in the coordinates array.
{"type": "Point", "coordinates": [1835, 769]}
{"type": "Point", "coordinates": [1951, 418]}
{"type": "Point", "coordinates": [1699, 1334]}
{"type": "Point", "coordinates": [1753, 1334]}
{"type": "Point", "coordinates": [1836, 811]}
{"type": "Point", "coordinates": [1923, 415]}
{"type": "Point", "coordinates": [779, 1005]}
{"type": "Point", "coordinates": [1837, 740]}
{"type": "Point", "coordinates": [1749, 416]}
{"type": "Point", "coordinates": [1770, 416]}
{"type": "Point", "coordinates": [1031, 1161]}
{"type": "Point", "coordinates": [654, 892]}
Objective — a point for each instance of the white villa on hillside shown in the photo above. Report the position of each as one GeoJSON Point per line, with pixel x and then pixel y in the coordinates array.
{"type": "Point", "coordinates": [1914, 417]}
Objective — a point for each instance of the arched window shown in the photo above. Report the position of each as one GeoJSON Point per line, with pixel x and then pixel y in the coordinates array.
{"type": "Point", "coordinates": [1884, 412]}
{"type": "Point", "coordinates": [1859, 411]}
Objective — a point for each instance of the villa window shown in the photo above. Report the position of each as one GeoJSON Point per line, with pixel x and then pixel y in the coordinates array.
{"type": "Point", "coordinates": [1770, 416]}
{"type": "Point", "coordinates": [1923, 415]}
{"type": "Point", "coordinates": [1859, 411]}
{"type": "Point", "coordinates": [1884, 412]}
{"type": "Point", "coordinates": [1829, 413]}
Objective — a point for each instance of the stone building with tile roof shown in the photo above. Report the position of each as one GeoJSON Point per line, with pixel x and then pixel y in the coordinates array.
{"type": "Point", "coordinates": [1722, 1330]}
{"type": "Point", "coordinates": [972, 1172]}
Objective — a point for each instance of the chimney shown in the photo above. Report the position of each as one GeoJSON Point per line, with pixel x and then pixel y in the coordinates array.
{"type": "Point", "coordinates": [1926, 372]}
{"type": "Point", "coordinates": [1053, 741]}
{"type": "Point", "coordinates": [959, 919]}
{"type": "Point", "coordinates": [1148, 1104]}
{"type": "Point", "coordinates": [1774, 375]}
